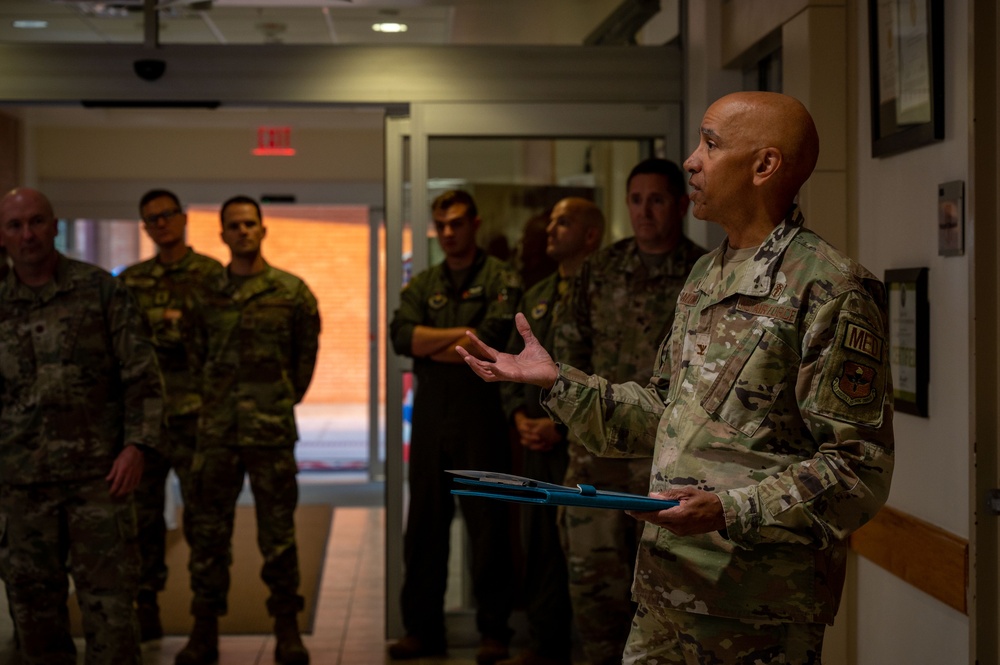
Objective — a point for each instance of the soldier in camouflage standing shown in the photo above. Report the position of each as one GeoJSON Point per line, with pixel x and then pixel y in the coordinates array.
{"type": "Point", "coordinates": [623, 305]}
{"type": "Point", "coordinates": [575, 230]}
{"type": "Point", "coordinates": [80, 406]}
{"type": "Point", "coordinates": [769, 412]}
{"type": "Point", "coordinates": [456, 425]}
{"type": "Point", "coordinates": [165, 287]}
{"type": "Point", "coordinates": [263, 330]}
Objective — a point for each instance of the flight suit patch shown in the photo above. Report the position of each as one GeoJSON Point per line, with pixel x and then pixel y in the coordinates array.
{"type": "Point", "coordinates": [437, 301]}
{"type": "Point", "coordinates": [539, 310]}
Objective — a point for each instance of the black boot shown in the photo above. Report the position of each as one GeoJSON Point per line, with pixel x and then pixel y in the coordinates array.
{"type": "Point", "coordinates": [289, 649]}
{"type": "Point", "coordinates": [203, 645]}
{"type": "Point", "coordinates": [148, 613]}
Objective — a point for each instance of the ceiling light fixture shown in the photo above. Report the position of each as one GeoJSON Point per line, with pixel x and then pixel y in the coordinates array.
{"type": "Point", "coordinates": [30, 25]}
{"type": "Point", "coordinates": [389, 27]}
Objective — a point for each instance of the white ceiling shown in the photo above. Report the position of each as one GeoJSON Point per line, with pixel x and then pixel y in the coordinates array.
{"type": "Point", "coordinates": [478, 22]}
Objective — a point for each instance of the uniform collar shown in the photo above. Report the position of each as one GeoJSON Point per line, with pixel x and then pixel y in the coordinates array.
{"type": "Point", "coordinates": [62, 280]}
{"type": "Point", "coordinates": [756, 277]}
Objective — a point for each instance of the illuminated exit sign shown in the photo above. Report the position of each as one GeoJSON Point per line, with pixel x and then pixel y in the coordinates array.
{"type": "Point", "coordinates": [274, 141]}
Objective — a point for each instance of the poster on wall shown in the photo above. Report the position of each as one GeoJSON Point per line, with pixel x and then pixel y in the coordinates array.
{"type": "Point", "coordinates": [909, 323]}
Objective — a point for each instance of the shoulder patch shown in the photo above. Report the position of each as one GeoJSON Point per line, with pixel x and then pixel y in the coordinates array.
{"type": "Point", "coordinates": [539, 310]}
{"type": "Point", "coordinates": [862, 340]}
{"type": "Point", "coordinates": [855, 383]}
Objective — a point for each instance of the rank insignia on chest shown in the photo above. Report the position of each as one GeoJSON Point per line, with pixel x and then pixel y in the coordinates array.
{"type": "Point", "coordinates": [473, 292]}
{"type": "Point", "coordinates": [855, 384]}
{"type": "Point", "coordinates": [437, 301]}
{"type": "Point", "coordinates": [539, 310]}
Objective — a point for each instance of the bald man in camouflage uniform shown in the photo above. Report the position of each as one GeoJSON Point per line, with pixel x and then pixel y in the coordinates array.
{"type": "Point", "coordinates": [263, 330]}
{"type": "Point", "coordinates": [623, 305]}
{"type": "Point", "coordinates": [166, 286]}
{"type": "Point", "coordinates": [575, 230]}
{"type": "Point", "coordinates": [769, 412]}
{"type": "Point", "coordinates": [80, 402]}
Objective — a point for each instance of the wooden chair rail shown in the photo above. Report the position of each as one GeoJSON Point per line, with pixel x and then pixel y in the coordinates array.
{"type": "Point", "coordinates": [926, 556]}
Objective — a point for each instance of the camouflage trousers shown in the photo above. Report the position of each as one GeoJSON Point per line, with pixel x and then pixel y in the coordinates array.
{"type": "Point", "coordinates": [668, 637]}
{"type": "Point", "coordinates": [178, 437]}
{"type": "Point", "coordinates": [600, 548]}
{"type": "Point", "coordinates": [50, 531]}
{"type": "Point", "coordinates": [217, 475]}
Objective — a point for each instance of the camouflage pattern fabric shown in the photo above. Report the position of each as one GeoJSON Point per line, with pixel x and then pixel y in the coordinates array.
{"type": "Point", "coordinates": [78, 377]}
{"type": "Point", "coordinates": [773, 391]}
{"type": "Point", "coordinates": [166, 294]}
{"type": "Point", "coordinates": [78, 380]}
{"type": "Point", "coordinates": [263, 337]}
{"type": "Point", "coordinates": [218, 480]}
{"type": "Point", "coordinates": [44, 526]}
{"type": "Point", "coordinates": [667, 637]}
{"type": "Point", "coordinates": [458, 423]}
{"type": "Point", "coordinates": [179, 437]}
{"type": "Point", "coordinates": [621, 311]}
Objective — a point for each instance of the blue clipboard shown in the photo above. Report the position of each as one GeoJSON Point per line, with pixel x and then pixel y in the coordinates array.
{"type": "Point", "coordinates": [507, 487]}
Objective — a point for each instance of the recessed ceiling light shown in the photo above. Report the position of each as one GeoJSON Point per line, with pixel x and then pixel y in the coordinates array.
{"type": "Point", "coordinates": [389, 27]}
{"type": "Point", "coordinates": [30, 25]}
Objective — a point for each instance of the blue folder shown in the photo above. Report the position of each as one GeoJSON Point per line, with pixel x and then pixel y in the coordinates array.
{"type": "Point", "coordinates": [519, 489]}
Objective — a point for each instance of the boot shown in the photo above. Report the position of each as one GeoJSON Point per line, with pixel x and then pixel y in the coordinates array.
{"type": "Point", "coordinates": [203, 645]}
{"type": "Point", "coordinates": [289, 649]}
{"type": "Point", "coordinates": [148, 612]}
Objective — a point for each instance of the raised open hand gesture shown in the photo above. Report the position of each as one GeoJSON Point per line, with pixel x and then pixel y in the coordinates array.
{"type": "Point", "coordinates": [533, 365]}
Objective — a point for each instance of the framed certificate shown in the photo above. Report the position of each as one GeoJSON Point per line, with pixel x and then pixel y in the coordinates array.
{"type": "Point", "coordinates": [906, 56]}
{"type": "Point", "coordinates": [909, 338]}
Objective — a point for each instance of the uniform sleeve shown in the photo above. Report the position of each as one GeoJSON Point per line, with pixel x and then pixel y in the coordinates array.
{"type": "Point", "coordinates": [306, 335]}
{"type": "Point", "coordinates": [575, 334]}
{"type": "Point", "coordinates": [611, 420]}
{"type": "Point", "coordinates": [504, 293]}
{"type": "Point", "coordinates": [142, 385]}
{"type": "Point", "coordinates": [844, 392]}
{"type": "Point", "coordinates": [408, 316]}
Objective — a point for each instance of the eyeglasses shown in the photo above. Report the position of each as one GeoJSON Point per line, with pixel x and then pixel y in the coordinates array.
{"type": "Point", "coordinates": [164, 216]}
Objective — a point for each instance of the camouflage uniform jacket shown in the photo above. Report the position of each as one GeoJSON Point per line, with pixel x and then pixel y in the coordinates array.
{"type": "Point", "coordinates": [486, 301]}
{"type": "Point", "coordinates": [622, 310]}
{"type": "Point", "coordinates": [263, 337]}
{"type": "Point", "coordinates": [166, 294]}
{"type": "Point", "coordinates": [773, 390]}
{"type": "Point", "coordinates": [543, 306]}
{"type": "Point", "coordinates": [78, 376]}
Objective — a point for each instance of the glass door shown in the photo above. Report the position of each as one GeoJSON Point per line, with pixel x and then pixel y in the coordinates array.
{"type": "Point", "coordinates": [517, 160]}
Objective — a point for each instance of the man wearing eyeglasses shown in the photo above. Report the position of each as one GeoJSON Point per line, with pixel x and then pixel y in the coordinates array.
{"type": "Point", "coordinates": [164, 287]}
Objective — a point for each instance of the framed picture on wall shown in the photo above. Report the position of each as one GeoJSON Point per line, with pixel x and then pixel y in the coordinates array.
{"type": "Point", "coordinates": [906, 55]}
{"type": "Point", "coordinates": [909, 338]}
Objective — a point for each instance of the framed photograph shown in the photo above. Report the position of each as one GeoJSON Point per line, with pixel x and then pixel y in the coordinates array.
{"type": "Point", "coordinates": [909, 338]}
{"type": "Point", "coordinates": [906, 55]}
{"type": "Point", "coordinates": [951, 218]}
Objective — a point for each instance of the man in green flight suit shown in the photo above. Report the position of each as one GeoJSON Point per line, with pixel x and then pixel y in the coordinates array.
{"type": "Point", "coordinates": [263, 330]}
{"type": "Point", "coordinates": [166, 287]}
{"type": "Point", "coordinates": [768, 414]}
{"type": "Point", "coordinates": [456, 425]}
{"type": "Point", "coordinates": [80, 407]}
